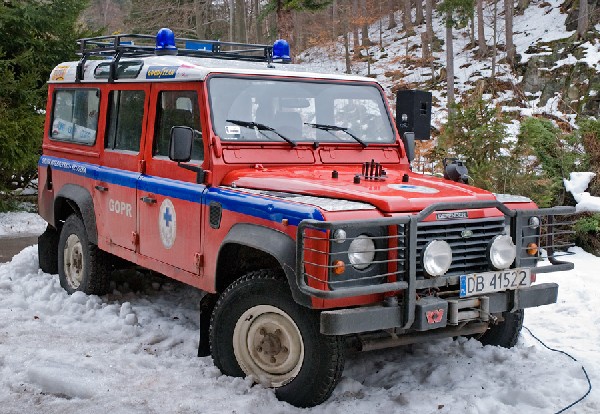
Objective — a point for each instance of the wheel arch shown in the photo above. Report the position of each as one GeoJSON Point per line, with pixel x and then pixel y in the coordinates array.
{"type": "Point", "coordinates": [76, 199]}
{"type": "Point", "coordinates": [270, 248]}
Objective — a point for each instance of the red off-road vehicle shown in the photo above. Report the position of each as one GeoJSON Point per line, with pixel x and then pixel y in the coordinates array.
{"type": "Point", "coordinates": [288, 197]}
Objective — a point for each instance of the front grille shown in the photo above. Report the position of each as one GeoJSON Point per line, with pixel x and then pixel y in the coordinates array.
{"type": "Point", "coordinates": [468, 253]}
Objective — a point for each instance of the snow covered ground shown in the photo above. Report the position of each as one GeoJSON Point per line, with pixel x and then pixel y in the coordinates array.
{"type": "Point", "coordinates": [134, 351]}
{"type": "Point", "coordinates": [21, 223]}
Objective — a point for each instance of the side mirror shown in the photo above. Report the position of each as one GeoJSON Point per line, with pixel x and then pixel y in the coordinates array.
{"type": "Point", "coordinates": [180, 145]}
{"type": "Point", "coordinates": [408, 139]}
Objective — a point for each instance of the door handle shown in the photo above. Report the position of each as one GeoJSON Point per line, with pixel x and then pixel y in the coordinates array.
{"type": "Point", "coordinates": [148, 200]}
{"type": "Point", "coordinates": [101, 188]}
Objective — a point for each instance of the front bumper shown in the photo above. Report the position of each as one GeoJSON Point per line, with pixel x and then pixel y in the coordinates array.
{"type": "Point", "coordinates": [378, 317]}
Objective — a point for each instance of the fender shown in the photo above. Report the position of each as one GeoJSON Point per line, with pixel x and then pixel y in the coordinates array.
{"type": "Point", "coordinates": [83, 200]}
{"type": "Point", "coordinates": [272, 242]}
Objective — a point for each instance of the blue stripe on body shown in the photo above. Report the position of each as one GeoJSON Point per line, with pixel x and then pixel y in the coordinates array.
{"type": "Point", "coordinates": [236, 201]}
{"type": "Point", "coordinates": [172, 188]}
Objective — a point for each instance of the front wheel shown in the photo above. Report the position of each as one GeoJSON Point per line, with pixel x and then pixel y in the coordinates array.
{"type": "Point", "coordinates": [258, 330]}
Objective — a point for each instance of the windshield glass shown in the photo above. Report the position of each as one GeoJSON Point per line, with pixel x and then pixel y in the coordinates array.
{"type": "Point", "coordinates": [254, 109]}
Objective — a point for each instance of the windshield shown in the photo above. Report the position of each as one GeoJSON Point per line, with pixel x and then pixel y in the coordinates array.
{"type": "Point", "coordinates": [254, 109]}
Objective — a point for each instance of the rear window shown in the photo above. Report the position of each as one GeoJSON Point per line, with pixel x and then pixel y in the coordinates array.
{"type": "Point", "coordinates": [75, 115]}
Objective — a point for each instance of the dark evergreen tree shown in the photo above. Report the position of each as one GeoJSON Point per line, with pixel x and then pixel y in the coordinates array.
{"type": "Point", "coordinates": [37, 35]}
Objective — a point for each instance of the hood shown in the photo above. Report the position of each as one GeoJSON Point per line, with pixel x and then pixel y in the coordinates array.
{"type": "Point", "coordinates": [400, 191]}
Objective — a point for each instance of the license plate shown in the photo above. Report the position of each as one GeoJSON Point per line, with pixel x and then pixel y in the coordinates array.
{"type": "Point", "coordinates": [478, 283]}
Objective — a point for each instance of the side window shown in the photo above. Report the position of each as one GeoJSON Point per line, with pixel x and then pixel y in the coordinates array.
{"type": "Point", "coordinates": [125, 117]}
{"type": "Point", "coordinates": [177, 108]}
{"type": "Point", "coordinates": [75, 115]}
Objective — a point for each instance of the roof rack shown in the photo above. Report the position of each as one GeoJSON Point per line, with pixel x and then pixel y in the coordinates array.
{"type": "Point", "coordinates": [140, 45]}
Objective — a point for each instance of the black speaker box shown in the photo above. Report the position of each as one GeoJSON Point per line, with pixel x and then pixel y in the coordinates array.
{"type": "Point", "coordinates": [413, 113]}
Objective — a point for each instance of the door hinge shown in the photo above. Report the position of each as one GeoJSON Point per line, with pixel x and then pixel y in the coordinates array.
{"type": "Point", "coordinates": [135, 238]}
{"type": "Point", "coordinates": [199, 260]}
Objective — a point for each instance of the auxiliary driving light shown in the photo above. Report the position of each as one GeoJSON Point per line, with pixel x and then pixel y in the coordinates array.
{"type": "Point", "coordinates": [502, 252]}
{"type": "Point", "coordinates": [339, 236]}
{"type": "Point", "coordinates": [437, 258]}
{"type": "Point", "coordinates": [361, 252]}
{"type": "Point", "coordinates": [534, 222]}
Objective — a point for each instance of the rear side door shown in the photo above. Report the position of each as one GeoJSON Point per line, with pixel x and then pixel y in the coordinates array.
{"type": "Point", "coordinates": [115, 186]}
{"type": "Point", "coordinates": [170, 199]}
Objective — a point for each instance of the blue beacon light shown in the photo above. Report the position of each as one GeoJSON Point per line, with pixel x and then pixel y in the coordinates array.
{"type": "Point", "coordinates": [281, 50]}
{"type": "Point", "coordinates": [165, 42]}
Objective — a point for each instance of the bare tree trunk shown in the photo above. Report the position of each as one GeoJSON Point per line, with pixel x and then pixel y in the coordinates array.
{"type": "Point", "coordinates": [365, 25]}
{"type": "Point", "coordinates": [334, 17]}
{"type": "Point", "coordinates": [495, 47]}
{"type": "Point", "coordinates": [508, 17]}
{"type": "Point", "coordinates": [583, 19]}
{"type": "Point", "coordinates": [428, 21]}
{"type": "Point", "coordinates": [345, 29]}
{"type": "Point", "coordinates": [231, 5]}
{"type": "Point", "coordinates": [418, 12]}
{"type": "Point", "coordinates": [425, 46]}
{"type": "Point", "coordinates": [257, 22]}
{"type": "Point", "coordinates": [407, 17]}
{"type": "Point", "coordinates": [472, 31]}
{"type": "Point", "coordinates": [105, 12]}
{"type": "Point", "coordinates": [483, 49]}
{"type": "Point", "coordinates": [285, 26]}
{"type": "Point", "coordinates": [449, 66]}
{"type": "Point", "coordinates": [200, 14]}
{"type": "Point", "coordinates": [355, 39]}
{"type": "Point", "coordinates": [391, 18]}
{"type": "Point", "coordinates": [380, 26]}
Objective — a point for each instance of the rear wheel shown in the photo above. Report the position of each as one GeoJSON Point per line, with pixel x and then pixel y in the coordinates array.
{"type": "Point", "coordinates": [505, 333]}
{"type": "Point", "coordinates": [48, 250]}
{"type": "Point", "coordinates": [258, 330]}
{"type": "Point", "coordinates": [82, 266]}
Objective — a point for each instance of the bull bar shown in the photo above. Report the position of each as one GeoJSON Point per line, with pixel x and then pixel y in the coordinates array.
{"type": "Point", "coordinates": [402, 258]}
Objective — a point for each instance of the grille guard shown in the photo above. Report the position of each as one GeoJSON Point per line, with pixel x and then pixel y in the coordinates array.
{"type": "Point", "coordinates": [403, 262]}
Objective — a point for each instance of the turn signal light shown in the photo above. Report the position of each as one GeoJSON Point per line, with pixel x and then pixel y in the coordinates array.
{"type": "Point", "coordinates": [532, 249]}
{"type": "Point", "coordinates": [339, 267]}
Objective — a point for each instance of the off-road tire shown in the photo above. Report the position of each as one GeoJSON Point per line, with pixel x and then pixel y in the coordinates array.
{"type": "Point", "coordinates": [48, 250]}
{"type": "Point", "coordinates": [323, 362]}
{"type": "Point", "coordinates": [505, 333]}
{"type": "Point", "coordinates": [95, 267]}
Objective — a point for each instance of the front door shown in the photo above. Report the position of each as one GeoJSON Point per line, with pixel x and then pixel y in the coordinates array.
{"type": "Point", "coordinates": [170, 200]}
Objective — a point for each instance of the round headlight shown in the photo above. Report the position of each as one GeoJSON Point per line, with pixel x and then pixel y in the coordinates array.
{"type": "Point", "coordinates": [534, 222]}
{"type": "Point", "coordinates": [339, 236]}
{"type": "Point", "coordinates": [502, 252]}
{"type": "Point", "coordinates": [361, 252]}
{"type": "Point", "coordinates": [437, 258]}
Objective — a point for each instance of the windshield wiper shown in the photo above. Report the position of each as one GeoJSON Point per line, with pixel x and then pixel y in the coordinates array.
{"type": "Point", "coordinates": [260, 127]}
{"type": "Point", "coordinates": [328, 128]}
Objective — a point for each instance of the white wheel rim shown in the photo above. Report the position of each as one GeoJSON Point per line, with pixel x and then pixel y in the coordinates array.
{"type": "Point", "coordinates": [73, 261]}
{"type": "Point", "coordinates": [268, 345]}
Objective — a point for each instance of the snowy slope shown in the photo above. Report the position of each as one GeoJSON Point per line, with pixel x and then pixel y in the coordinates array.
{"type": "Point", "coordinates": [136, 353]}
{"type": "Point", "coordinates": [542, 22]}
